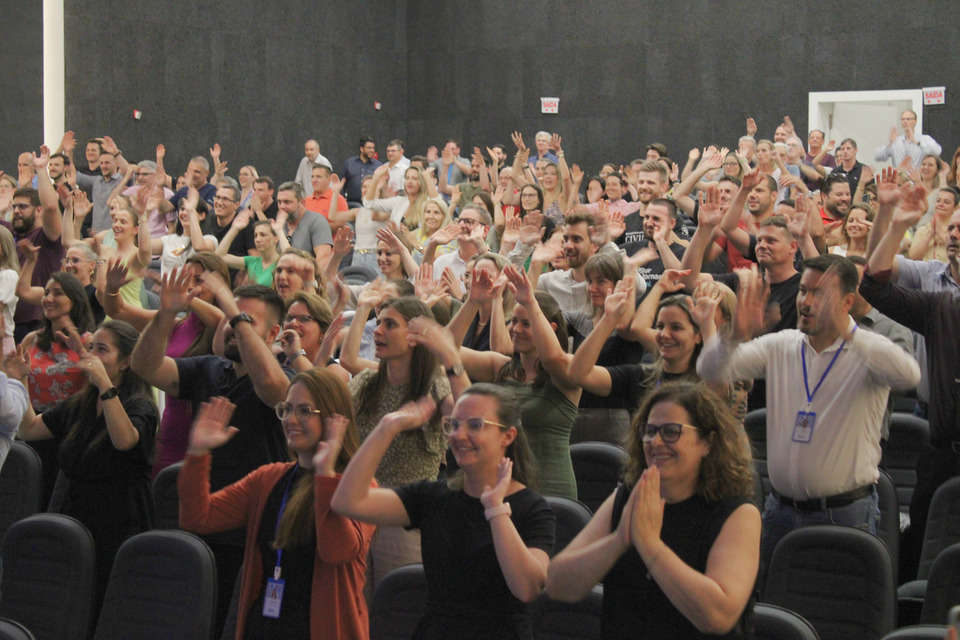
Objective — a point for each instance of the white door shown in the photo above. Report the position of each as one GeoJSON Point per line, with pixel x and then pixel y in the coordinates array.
{"type": "Point", "coordinates": [867, 123]}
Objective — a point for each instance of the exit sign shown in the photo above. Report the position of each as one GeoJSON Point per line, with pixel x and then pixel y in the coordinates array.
{"type": "Point", "coordinates": [934, 95]}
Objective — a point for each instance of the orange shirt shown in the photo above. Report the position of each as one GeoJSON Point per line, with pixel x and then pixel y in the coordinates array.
{"type": "Point", "coordinates": [321, 203]}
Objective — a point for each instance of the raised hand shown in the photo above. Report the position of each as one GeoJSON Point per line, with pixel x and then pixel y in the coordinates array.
{"type": "Point", "coordinates": [546, 252]}
{"type": "Point", "coordinates": [555, 142]}
{"type": "Point", "coordinates": [511, 229]}
{"type": "Point", "coordinates": [694, 154]}
{"type": "Point", "coordinates": [431, 153]}
{"type": "Point", "coordinates": [93, 367]}
{"type": "Point", "coordinates": [617, 302]}
{"type": "Point", "coordinates": [110, 146]}
{"type": "Point", "coordinates": [797, 223]}
{"type": "Point", "coordinates": [68, 143]}
{"type": "Point", "coordinates": [704, 313]}
{"type": "Point", "coordinates": [452, 283]}
{"type": "Point", "coordinates": [413, 415]}
{"type": "Point", "coordinates": [117, 275]}
{"type": "Point", "coordinates": [576, 174]}
{"type": "Point", "coordinates": [751, 127]}
{"type": "Point", "coordinates": [888, 188]}
{"type": "Point", "coordinates": [671, 280]}
{"type": "Point", "coordinates": [241, 220]}
{"type": "Point", "coordinates": [343, 241]}
{"type": "Point", "coordinates": [445, 235]}
{"type": "Point", "coordinates": [425, 284]}
{"type": "Point", "coordinates": [481, 286]}
{"type": "Point", "coordinates": [336, 184]}
{"type": "Point", "coordinates": [176, 289]}
{"type": "Point", "coordinates": [519, 284]}
{"type": "Point", "coordinates": [81, 204]}
{"type": "Point", "coordinates": [647, 513]}
{"type": "Point", "coordinates": [751, 304]}
{"type": "Point", "coordinates": [211, 426]}
{"type": "Point", "coordinates": [40, 162]}
{"type": "Point", "coordinates": [328, 449]}
{"type": "Point", "coordinates": [788, 125]}
{"type": "Point", "coordinates": [531, 228]}
{"type": "Point", "coordinates": [493, 496]}
{"type": "Point", "coordinates": [17, 364]}
{"type": "Point", "coordinates": [436, 338]}
{"type": "Point", "coordinates": [517, 138]}
{"type": "Point", "coordinates": [752, 179]}
{"type": "Point", "coordinates": [29, 250]}
{"type": "Point", "coordinates": [710, 215]}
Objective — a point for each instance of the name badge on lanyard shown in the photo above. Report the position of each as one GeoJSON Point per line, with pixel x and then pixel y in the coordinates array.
{"type": "Point", "coordinates": [807, 420]}
{"type": "Point", "coordinates": [273, 592]}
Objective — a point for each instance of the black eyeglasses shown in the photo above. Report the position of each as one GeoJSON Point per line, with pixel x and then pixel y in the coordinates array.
{"type": "Point", "coordinates": [669, 431]}
{"type": "Point", "coordinates": [473, 425]}
{"type": "Point", "coordinates": [303, 411]}
{"type": "Point", "coordinates": [302, 319]}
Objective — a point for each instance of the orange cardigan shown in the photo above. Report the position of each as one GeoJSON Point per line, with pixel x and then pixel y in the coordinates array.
{"type": "Point", "coordinates": [338, 609]}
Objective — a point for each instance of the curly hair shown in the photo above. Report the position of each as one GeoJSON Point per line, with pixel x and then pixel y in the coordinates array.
{"type": "Point", "coordinates": [727, 470]}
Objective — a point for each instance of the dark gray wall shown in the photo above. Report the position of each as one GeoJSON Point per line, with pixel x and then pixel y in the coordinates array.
{"type": "Point", "coordinates": [630, 73]}
{"type": "Point", "coordinates": [257, 80]}
{"type": "Point", "coordinates": [21, 96]}
{"type": "Point", "coordinates": [627, 73]}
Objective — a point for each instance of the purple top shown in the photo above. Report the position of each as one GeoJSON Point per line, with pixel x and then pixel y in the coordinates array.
{"type": "Point", "coordinates": [173, 436]}
{"type": "Point", "coordinates": [48, 261]}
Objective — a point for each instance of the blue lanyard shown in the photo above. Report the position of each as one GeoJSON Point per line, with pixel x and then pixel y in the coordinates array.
{"type": "Point", "coordinates": [283, 507]}
{"type": "Point", "coordinates": [806, 385]}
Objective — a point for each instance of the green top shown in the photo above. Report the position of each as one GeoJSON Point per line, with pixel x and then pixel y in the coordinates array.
{"type": "Point", "coordinates": [257, 272]}
{"type": "Point", "coordinates": [547, 416]}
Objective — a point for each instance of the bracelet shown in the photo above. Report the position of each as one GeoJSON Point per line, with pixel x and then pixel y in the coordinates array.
{"type": "Point", "coordinates": [502, 510]}
{"type": "Point", "coordinates": [113, 294]}
{"type": "Point", "coordinates": [109, 393]}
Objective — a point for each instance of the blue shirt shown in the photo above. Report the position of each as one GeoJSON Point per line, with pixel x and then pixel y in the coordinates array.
{"type": "Point", "coordinates": [354, 169]}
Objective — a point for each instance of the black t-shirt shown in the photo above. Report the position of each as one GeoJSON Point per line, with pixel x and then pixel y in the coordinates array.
{"type": "Point", "coordinates": [467, 595]}
{"type": "Point", "coordinates": [853, 175]}
{"type": "Point", "coordinates": [652, 271]}
{"type": "Point", "coordinates": [615, 351]}
{"type": "Point", "coordinates": [782, 294]}
{"type": "Point", "coordinates": [634, 228]}
{"type": "Point", "coordinates": [634, 606]}
{"type": "Point", "coordinates": [632, 382]}
{"type": "Point", "coordinates": [260, 438]}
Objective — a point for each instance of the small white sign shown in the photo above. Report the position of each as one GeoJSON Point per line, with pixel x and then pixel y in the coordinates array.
{"type": "Point", "coordinates": [549, 105]}
{"type": "Point", "coordinates": [934, 95]}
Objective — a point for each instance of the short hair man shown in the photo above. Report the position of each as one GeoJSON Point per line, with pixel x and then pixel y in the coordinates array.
{"type": "Point", "coordinates": [312, 156]}
{"type": "Point", "coordinates": [398, 164]}
{"type": "Point", "coordinates": [651, 181]}
{"type": "Point", "coordinates": [660, 249]}
{"type": "Point", "coordinates": [36, 218]}
{"type": "Point", "coordinates": [306, 230]}
{"type": "Point", "coordinates": [542, 143]}
{"type": "Point", "coordinates": [814, 147]}
{"type": "Point", "coordinates": [472, 226]}
{"type": "Point", "coordinates": [225, 206]}
{"type": "Point", "coordinates": [847, 163]}
{"type": "Point", "coordinates": [355, 168]}
{"type": "Point", "coordinates": [837, 194]}
{"type": "Point", "coordinates": [451, 165]}
{"type": "Point", "coordinates": [262, 200]}
{"type": "Point", "coordinates": [113, 166]}
{"type": "Point", "coordinates": [827, 388]}
{"type": "Point", "coordinates": [247, 374]}
{"type": "Point", "coordinates": [160, 223]}
{"type": "Point", "coordinates": [324, 194]}
{"type": "Point", "coordinates": [908, 145]}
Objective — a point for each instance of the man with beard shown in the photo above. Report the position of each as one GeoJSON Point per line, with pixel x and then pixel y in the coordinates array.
{"type": "Point", "coordinates": [569, 286]}
{"type": "Point", "coordinates": [659, 250]}
{"type": "Point", "coordinates": [112, 169]}
{"type": "Point", "coordinates": [307, 230]}
{"type": "Point", "coordinates": [355, 168]}
{"type": "Point", "coordinates": [248, 375]}
{"type": "Point", "coordinates": [57, 169]}
{"type": "Point", "coordinates": [827, 389]}
{"type": "Point", "coordinates": [837, 193]}
{"type": "Point", "coordinates": [650, 180]}
{"type": "Point", "coordinates": [43, 232]}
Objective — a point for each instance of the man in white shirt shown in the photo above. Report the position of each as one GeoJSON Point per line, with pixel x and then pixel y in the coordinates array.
{"type": "Point", "coordinates": [827, 387]}
{"type": "Point", "coordinates": [910, 144]}
{"type": "Point", "coordinates": [398, 164]}
{"type": "Point", "coordinates": [305, 170]}
{"type": "Point", "coordinates": [474, 224]}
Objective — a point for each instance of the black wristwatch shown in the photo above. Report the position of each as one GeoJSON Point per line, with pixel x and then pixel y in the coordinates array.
{"type": "Point", "coordinates": [109, 393]}
{"type": "Point", "coordinates": [240, 317]}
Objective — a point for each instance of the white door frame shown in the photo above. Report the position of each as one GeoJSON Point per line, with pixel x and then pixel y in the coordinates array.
{"type": "Point", "coordinates": [816, 98]}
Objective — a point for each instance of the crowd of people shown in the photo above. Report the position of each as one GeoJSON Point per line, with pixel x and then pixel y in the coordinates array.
{"type": "Point", "coordinates": [387, 364]}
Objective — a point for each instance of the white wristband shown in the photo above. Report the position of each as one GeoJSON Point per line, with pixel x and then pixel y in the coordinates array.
{"type": "Point", "coordinates": [502, 510]}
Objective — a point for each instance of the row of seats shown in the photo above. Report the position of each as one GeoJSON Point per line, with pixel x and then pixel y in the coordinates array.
{"type": "Point", "coordinates": [163, 584]}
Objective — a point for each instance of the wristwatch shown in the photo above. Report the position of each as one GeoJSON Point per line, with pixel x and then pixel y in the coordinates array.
{"type": "Point", "coordinates": [240, 317]}
{"type": "Point", "coordinates": [455, 370]}
{"type": "Point", "coordinates": [109, 393]}
{"type": "Point", "coordinates": [302, 352]}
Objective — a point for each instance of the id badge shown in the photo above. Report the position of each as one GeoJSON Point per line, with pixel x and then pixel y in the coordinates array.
{"type": "Point", "coordinates": [273, 598]}
{"type": "Point", "coordinates": [803, 428]}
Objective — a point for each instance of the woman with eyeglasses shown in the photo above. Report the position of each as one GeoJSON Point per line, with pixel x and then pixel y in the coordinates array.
{"type": "Point", "coordinates": [536, 372]}
{"type": "Point", "coordinates": [307, 320]}
{"type": "Point", "coordinates": [79, 261]}
{"type": "Point", "coordinates": [303, 564]}
{"type": "Point", "coordinates": [486, 535]}
{"type": "Point", "coordinates": [677, 545]}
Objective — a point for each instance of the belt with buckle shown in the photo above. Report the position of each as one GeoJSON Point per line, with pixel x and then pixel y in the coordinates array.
{"type": "Point", "coordinates": [829, 502]}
